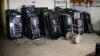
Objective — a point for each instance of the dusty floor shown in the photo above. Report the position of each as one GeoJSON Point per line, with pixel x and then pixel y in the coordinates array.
{"type": "Point", "coordinates": [58, 47]}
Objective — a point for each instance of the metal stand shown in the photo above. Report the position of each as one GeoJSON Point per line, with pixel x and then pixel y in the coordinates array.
{"type": "Point", "coordinates": [75, 34]}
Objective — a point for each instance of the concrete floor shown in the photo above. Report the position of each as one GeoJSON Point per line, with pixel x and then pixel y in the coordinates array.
{"type": "Point", "coordinates": [58, 47]}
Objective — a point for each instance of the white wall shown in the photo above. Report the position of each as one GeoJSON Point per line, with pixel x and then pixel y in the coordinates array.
{"type": "Point", "coordinates": [14, 4]}
{"type": "Point", "coordinates": [83, 8]}
{"type": "Point", "coordinates": [95, 15]}
{"type": "Point", "coordinates": [5, 2]}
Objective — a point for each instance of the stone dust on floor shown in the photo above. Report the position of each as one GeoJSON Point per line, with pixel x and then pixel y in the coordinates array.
{"type": "Point", "coordinates": [58, 47]}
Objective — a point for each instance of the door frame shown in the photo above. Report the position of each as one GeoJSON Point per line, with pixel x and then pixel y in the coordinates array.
{"type": "Point", "coordinates": [3, 12]}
